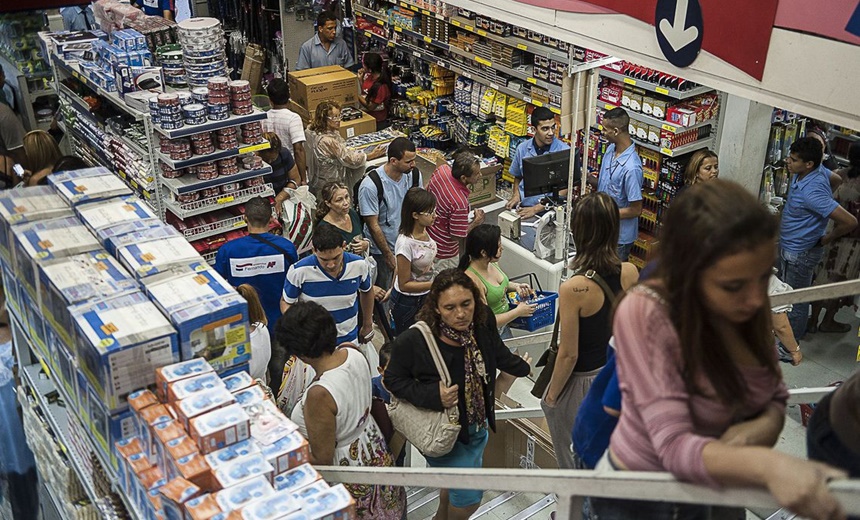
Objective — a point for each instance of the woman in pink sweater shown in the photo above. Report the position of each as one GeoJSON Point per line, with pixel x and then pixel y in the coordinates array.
{"type": "Point", "coordinates": [702, 392]}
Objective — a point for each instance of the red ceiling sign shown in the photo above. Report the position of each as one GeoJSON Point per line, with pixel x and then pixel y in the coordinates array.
{"type": "Point", "coordinates": [738, 31]}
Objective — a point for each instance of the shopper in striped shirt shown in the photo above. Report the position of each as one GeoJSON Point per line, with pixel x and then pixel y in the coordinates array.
{"type": "Point", "coordinates": [450, 185]}
{"type": "Point", "coordinates": [336, 280]}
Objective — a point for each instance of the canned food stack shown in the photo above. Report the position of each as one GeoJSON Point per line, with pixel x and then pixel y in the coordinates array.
{"type": "Point", "coordinates": [206, 172]}
{"type": "Point", "coordinates": [170, 58]}
{"type": "Point", "coordinates": [240, 97]}
{"type": "Point", "coordinates": [176, 149]}
{"type": "Point", "coordinates": [170, 173]}
{"type": "Point", "coordinates": [202, 143]}
{"type": "Point", "coordinates": [228, 166]}
{"type": "Point", "coordinates": [202, 41]}
{"type": "Point", "coordinates": [252, 162]}
{"type": "Point", "coordinates": [170, 111]}
{"type": "Point", "coordinates": [218, 98]}
{"type": "Point", "coordinates": [227, 138]}
{"type": "Point", "coordinates": [231, 188]}
{"type": "Point", "coordinates": [252, 133]}
{"type": "Point", "coordinates": [194, 113]}
{"type": "Point", "coordinates": [255, 181]}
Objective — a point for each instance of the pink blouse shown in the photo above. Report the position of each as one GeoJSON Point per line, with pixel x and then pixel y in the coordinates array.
{"type": "Point", "coordinates": [662, 427]}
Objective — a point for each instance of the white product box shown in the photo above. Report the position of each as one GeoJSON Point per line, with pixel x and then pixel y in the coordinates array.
{"type": "Point", "coordinates": [244, 493]}
{"type": "Point", "coordinates": [210, 316]}
{"type": "Point", "coordinates": [249, 396]}
{"type": "Point", "coordinates": [77, 279]}
{"type": "Point", "coordinates": [296, 478]}
{"type": "Point", "coordinates": [88, 185]}
{"type": "Point", "coordinates": [333, 504]}
{"type": "Point", "coordinates": [166, 375]}
{"type": "Point", "coordinates": [47, 240]}
{"type": "Point", "coordinates": [185, 388]}
{"type": "Point", "coordinates": [115, 211]}
{"type": "Point", "coordinates": [121, 341]}
{"type": "Point", "coordinates": [223, 457]}
{"type": "Point", "coordinates": [220, 428]}
{"type": "Point", "coordinates": [274, 507]}
{"type": "Point", "coordinates": [303, 494]}
{"type": "Point", "coordinates": [238, 382]}
{"type": "Point", "coordinates": [155, 251]}
{"type": "Point", "coordinates": [18, 207]}
{"type": "Point", "coordinates": [242, 469]}
{"type": "Point", "coordinates": [287, 452]}
{"type": "Point", "coordinates": [200, 403]}
{"type": "Point", "coordinates": [109, 235]}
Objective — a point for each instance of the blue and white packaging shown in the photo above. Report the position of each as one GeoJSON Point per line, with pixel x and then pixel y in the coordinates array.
{"type": "Point", "coordinates": [303, 494]}
{"type": "Point", "coordinates": [47, 240]}
{"type": "Point", "coordinates": [120, 210]}
{"type": "Point", "coordinates": [250, 396]}
{"type": "Point", "coordinates": [296, 478]}
{"type": "Point", "coordinates": [127, 236]}
{"type": "Point", "coordinates": [238, 381]}
{"type": "Point", "coordinates": [110, 234]}
{"type": "Point", "coordinates": [274, 507]}
{"type": "Point", "coordinates": [166, 375]}
{"type": "Point", "coordinates": [186, 388]}
{"type": "Point", "coordinates": [238, 496]}
{"type": "Point", "coordinates": [121, 341]}
{"type": "Point", "coordinates": [157, 255]}
{"type": "Point", "coordinates": [243, 469]}
{"type": "Point", "coordinates": [239, 450]}
{"type": "Point", "coordinates": [210, 316]}
{"type": "Point", "coordinates": [19, 207]}
{"type": "Point", "coordinates": [88, 185]}
{"type": "Point", "coordinates": [77, 279]}
{"type": "Point", "coordinates": [290, 451]}
{"type": "Point", "coordinates": [333, 504]}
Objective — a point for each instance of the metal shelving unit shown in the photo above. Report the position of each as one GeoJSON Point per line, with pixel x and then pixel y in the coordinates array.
{"type": "Point", "coordinates": [199, 207]}
{"type": "Point", "coordinates": [25, 97]}
{"type": "Point", "coordinates": [653, 87]}
{"type": "Point", "coordinates": [211, 126]}
{"type": "Point", "coordinates": [188, 183]}
{"type": "Point", "coordinates": [215, 228]}
{"type": "Point", "coordinates": [681, 150]}
{"type": "Point", "coordinates": [662, 123]}
{"type": "Point", "coordinates": [218, 155]}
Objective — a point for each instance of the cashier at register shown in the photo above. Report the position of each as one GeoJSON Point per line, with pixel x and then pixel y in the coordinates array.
{"type": "Point", "coordinates": [543, 142]}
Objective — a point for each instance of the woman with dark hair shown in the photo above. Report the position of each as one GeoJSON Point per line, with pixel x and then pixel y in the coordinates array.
{"type": "Point", "coordinates": [480, 262]}
{"type": "Point", "coordinates": [335, 209]}
{"type": "Point", "coordinates": [585, 316]}
{"type": "Point", "coordinates": [375, 88]}
{"type": "Point", "coordinates": [415, 252]}
{"type": "Point", "coordinates": [284, 174]}
{"type": "Point", "coordinates": [702, 392]}
{"type": "Point", "coordinates": [465, 331]}
{"type": "Point", "coordinates": [841, 257]}
{"type": "Point", "coordinates": [334, 412]}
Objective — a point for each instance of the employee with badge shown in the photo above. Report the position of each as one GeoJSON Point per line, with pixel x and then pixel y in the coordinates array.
{"type": "Point", "coordinates": [543, 142]}
{"type": "Point", "coordinates": [163, 8]}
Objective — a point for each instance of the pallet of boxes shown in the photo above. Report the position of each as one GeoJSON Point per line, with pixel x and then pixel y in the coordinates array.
{"type": "Point", "coordinates": [149, 349]}
{"type": "Point", "coordinates": [310, 87]}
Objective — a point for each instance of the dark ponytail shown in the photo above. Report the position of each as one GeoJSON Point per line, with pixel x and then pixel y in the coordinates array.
{"type": "Point", "coordinates": [374, 64]}
{"type": "Point", "coordinates": [482, 240]}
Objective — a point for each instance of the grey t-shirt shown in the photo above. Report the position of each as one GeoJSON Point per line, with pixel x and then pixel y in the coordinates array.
{"type": "Point", "coordinates": [11, 130]}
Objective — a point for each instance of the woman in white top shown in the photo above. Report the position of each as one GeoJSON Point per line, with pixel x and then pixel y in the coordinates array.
{"type": "Point", "coordinates": [338, 424]}
{"type": "Point", "coordinates": [261, 343]}
{"type": "Point", "coordinates": [415, 252]}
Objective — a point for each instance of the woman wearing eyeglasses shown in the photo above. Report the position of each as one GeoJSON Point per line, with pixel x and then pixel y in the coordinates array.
{"type": "Point", "coordinates": [330, 159]}
{"type": "Point", "coordinates": [415, 252]}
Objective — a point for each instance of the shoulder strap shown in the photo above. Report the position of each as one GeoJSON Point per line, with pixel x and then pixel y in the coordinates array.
{"type": "Point", "coordinates": [377, 181]}
{"type": "Point", "coordinates": [416, 174]}
{"type": "Point", "coordinates": [592, 275]}
{"type": "Point", "coordinates": [274, 246]}
{"type": "Point", "coordinates": [434, 351]}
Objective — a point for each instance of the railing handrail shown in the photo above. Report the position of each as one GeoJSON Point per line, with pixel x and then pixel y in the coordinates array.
{"type": "Point", "coordinates": [570, 484]}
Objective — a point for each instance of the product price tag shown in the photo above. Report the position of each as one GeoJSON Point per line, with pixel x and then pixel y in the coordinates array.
{"type": "Point", "coordinates": [661, 90]}
{"type": "Point", "coordinates": [404, 5]}
{"type": "Point", "coordinates": [425, 12]}
{"type": "Point", "coordinates": [254, 148]}
{"type": "Point", "coordinates": [666, 151]}
{"type": "Point", "coordinates": [367, 33]}
{"type": "Point", "coordinates": [380, 22]}
{"type": "Point", "coordinates": [669, 128]}
{"type": "Point", "coordinates": [413, 8]}
{"type": "Point", "coordinates": [416, 54]}
{"type": "Point", "coordinates": [608, 106]}
{"type": "Point", "coordinates": [470, 28]}
{"type": "Point", "coordinates": [398, 29]}
{"type": "Point", "coordinates": [428, 39]}
{"type": "Point", "coordinates": [537, 103]}
{"type": "Point", "coordinates": [555, 110]}
{"type": "Point", "coordinates": [494, 86]}
{"type": "Point", "coordinates": [482, 61]}
{"type": "Point", "coordinates": [481, 32]}
{"type": "Point", "coordinates": [527, 99]}
{"type": "Point", "coordinates": [240, 223]}
{"type": "Point", "coordinates": [225, 200]}
{"type": "Point", "coordinates": [630, 81]}
{"type": "Point", "coordinates": [441, 64]}
{"type": "Point", "coordinates": [134, 184]}
{"type": "Point", "coordinates": [456, 23]}
{"type": "Point", "coordinates": [522, 47]}
{"type": "Point", "coordinates": [467, 75]}
{"type": "Point", "coordinates": [532, 81]}
{"type": "Point", "coordinates": [391, 44]}
{"type": "Point", "coordinates": [858, 354]}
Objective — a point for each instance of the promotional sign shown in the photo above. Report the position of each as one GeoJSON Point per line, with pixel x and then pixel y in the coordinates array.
{"type": "Point", "coordinates": [679, 30]}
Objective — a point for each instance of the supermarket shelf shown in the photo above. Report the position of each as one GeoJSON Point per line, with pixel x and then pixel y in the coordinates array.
{"type": "Point", "coordinates": [665, 125]}
{"type": "Point", "coordinates": [145, 190]}
{"type": "Point", "coordinates": [189, 183]}
{"type": "Point", "coordinates": [42, 92]}
{"type": "Point", "coordinates": [847, 137]}
{"type": "Point", "coordinates": [210, 257]}
{"type": "Point", "coordinates": [653, 87]}
{"type": "Point", "coordinates": [211, 126]}
{"type": "Point", "coordinates": [371, 34]}
{"type": "Point", "coordinates": [220, 154]}
{"type": "Point", "coordinates": [76, 102]}
{"type": "Point", "coordinates": [578, 67]}
{"type": "Point", "coordinates": [381, 18]}
{"type": "Point", "coordinates": [457, 69]}
{"type": "Point", "coordinates": [215, 228]}
{"type": "Point", "coordinates": [112, 97]}
{"type": "Point", "coordinates": [512, 41]}
{"type": "Point", "coordinates": [681, 150]}
{"type": "Point", "coordinates": [200, 207]}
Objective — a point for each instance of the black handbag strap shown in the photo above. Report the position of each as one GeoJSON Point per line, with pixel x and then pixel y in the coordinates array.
{"type": "Point", "coordinates": [592, 275]}
{"type": "Point", "coordinates": [287, 259]}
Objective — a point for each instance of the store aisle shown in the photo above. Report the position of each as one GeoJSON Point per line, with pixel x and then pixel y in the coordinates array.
{"type": "Point", "coordinates": [295, 34]}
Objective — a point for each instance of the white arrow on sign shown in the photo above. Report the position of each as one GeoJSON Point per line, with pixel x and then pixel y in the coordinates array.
{"type": "Point", "coordinates": [677, 34]}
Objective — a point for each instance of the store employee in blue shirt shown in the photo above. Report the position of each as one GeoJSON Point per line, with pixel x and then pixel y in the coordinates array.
{"type": "Point", "coordinates": [802, 235]}
{"type": "Point", "coordinates": [325, 47]}
{"type": "Point", "coordinates": [543, 142]}
{"type": "Point", "coordinates": [163, 8]}
{"type": "Point", "coordinates": [621, 177]}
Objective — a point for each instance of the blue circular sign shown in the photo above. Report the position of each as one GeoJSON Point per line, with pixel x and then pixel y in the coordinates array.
{"type": "Point", "coordinates": [679, 27]}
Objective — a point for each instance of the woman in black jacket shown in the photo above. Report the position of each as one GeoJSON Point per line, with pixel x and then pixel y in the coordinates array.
{"type": "Point", "coordinates": [465, 330]}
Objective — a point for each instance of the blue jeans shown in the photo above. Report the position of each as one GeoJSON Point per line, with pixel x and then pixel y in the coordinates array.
{"type": "Point", "coordinates": [404, 308]}
{"type": "Point", "coordinates": [797, 269]}
{"type": "Point", "coordinates": [624, 251]}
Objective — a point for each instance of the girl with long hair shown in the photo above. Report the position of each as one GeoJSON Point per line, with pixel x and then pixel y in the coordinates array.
{"type": "Point", "coordinates": [585, 316]}
{"type": "Point", "coordinates": [415, 252]}
{"type": "Point", "coordinates": [41, 153]}
{"type": "Point", "coordinates": [375, 88]}
{"type": "Point", "coordinates": [702, 392]}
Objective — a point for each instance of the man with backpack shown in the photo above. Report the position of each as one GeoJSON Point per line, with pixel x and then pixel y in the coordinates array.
{"type": "Point", "coordinates": [380, 197]}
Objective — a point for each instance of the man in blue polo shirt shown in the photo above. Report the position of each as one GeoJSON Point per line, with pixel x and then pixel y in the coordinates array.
{"type": "Point", "coordinates": [334, 279]}
{"type": "Point", "coordinates": [543, 142]}
{"type": "Point", "coordinates": [621, 177]}
{"type": "Point", "coordinates": [802, 234]}
{"type": "Point", "coordinates": [260, 259]}
{"type": "Point", "coordinates": [163, 8]}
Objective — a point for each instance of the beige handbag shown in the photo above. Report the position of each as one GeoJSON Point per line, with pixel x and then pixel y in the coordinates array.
{"type": "Point", "coordinates": [433, 433]}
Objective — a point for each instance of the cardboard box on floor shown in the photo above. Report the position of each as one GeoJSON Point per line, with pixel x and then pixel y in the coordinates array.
{"type": "Point", "coordinates": [310, 87]}
{"type": "Point", "coordinates": [364, 125]}
{"type": "Point", "coordinates": [252, 68]}
{"type": "Point", "coordinates": [519, 443]}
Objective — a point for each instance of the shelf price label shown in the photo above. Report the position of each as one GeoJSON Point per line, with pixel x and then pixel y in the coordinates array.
{"type": "Point", "coordinates": [254, 148]}
{"type": "Point", "coordinates": [482, 61]}
{"type": "Point", "coordinates": [398, 29]}
{"type": "Point", "coordinates": [466, 75]}
{"type": "Point", "coordinates": [555, 110]}
{"type": "Point", "coordinates": [380, 22]}
{"type": "Point", "coordinates": [225, 200]}
{"type": "Point", "coordinates": [531, 80]}
{"type": "Point", "coordinates": [456, 23]}
{"type": "Point", "coordinates": [608, 106]}
{"type": "Point", "coordinates": [667, 151]}
{"type": "Point", "coordinates": [629, 81]}
{"type": "Point", "coordinates": [661, 90]}
{"type": "Point", "coordinates": [240, 223]}
{"type": "Point", "coordinates": [494, 86]}
{"type": "Point", "coordinates": [536, 103]}
{"type": "Point", "coordinates": [428, 39]}
{"type": "Point", "coordinates": [669, 128]}
{"type": "Point", "coordinates": [481, 32]}
{"type": "Point", "coordinates": [425, 12]}
{"type": "Point", "coordinates": [470, 28]}
{"type": "Point", "coordinates": [527, 99]}
{"type": "Point", "coordinates": [522, 47]}
{"type": "Point", "coordinates": [416, 54]}
{"type": "Point", "coordinates": [442, 64]}
{"type": "Point", "coordinates": [368, 34]}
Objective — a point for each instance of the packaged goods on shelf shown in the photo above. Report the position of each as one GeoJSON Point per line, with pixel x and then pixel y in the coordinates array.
{"type": "Point", "coordinates": [116, 211]}
{"type": "Point", "coordinates": [297, 478]}
{"type": "Point", "coordinates": [88, 185]}
{"type": "Point", "coordinates": [110, 235]}
{"type": "Point", "coordinates": [243, 469]}
{"type": "Point", "coordinates": [153, 251]}
{"type": "Point", "coordinates": [240, 495]}
{"type": "Point", "coordinates": [21, 207]}
{"type": "Point", "coordinates": [220, 428]}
